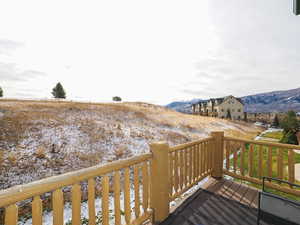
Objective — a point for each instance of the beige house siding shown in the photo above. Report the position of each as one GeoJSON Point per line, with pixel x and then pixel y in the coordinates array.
{"type": "Point", "coordinates": [235, 107]}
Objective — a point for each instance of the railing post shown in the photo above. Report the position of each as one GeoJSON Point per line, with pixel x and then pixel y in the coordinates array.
{"type": "Point", "coordinates": [160, 185]}
{"type": "Point", "coordinates": [218, 154]}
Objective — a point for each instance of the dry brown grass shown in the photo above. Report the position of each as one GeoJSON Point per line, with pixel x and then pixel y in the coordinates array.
{"type": "Point", "coordinates": [1, 157]}
{"type": "Point", "coordinates": [12, 158]}
{"type": "Point", "coordinates": [40, 152]}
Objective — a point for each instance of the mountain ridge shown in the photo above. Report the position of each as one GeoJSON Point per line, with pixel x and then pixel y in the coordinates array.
{"type": "Point", "coordinates": [274, 101]}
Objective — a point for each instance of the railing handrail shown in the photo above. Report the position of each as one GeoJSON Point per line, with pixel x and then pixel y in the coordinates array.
{"type": "Point", "coordinates": [189, 144]}
{"type": "Point", "coordinates": [22, 192]}
{"type": "Point", "coordinates": [279, 145]}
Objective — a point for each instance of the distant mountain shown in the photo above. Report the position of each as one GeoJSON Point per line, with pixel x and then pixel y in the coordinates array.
{"type": "Point", "coordinates": [183, 106]}
{"type": "Point", "coordinates": [280, 101]}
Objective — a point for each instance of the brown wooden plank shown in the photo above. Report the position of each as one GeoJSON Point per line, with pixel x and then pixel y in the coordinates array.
{"type": "Point", "coordinates": [176, 175]}
{"type": "Point", "coordinates": [171, 162]}
{"type": "Point", "coordinates": [260, 161]}
{"type": "Point", "coordinates": [190, 165]}
{"type": "Point", "coordinates": [270, 161]}
{"type": "Point", "coordinates": [105, 200]}
{"type": "Point", "coordinates": [127, 196]}
{"type": "Point", "coordinates": [136, 191]}
{"type": "Point", "coordinates": [37, 210]}
{"type": "Point", "coordinates": [91, 201]}
{"type": "Point", "coordinates": [58, 207]}
{"type": "Point", "coordinates": [117, 201]}
{"type": "Point", "coordinates": [291, 166]}
{"type": "Point", "coordinates": [11, 215]}
{"type": "Point", "coordinates": [242, 158]}
{"type": "Point", "coordinates": [280, 163]}
{"type": "Point", "coordinates": [250, 162]}
{"type": "Point", "coordinates": [235, 156]}
{"type": "Point", "coordinates": [227, 147]}
{"type": "Point", "coordinates": [181, 165]}
{"type": "Point", "coordinates": [76, 204]}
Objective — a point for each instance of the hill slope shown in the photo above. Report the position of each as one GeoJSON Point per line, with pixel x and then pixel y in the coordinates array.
{"type": "Point", "coordinates": [40, 139]}
{"type": "Point", "coordinates": [280, 101]}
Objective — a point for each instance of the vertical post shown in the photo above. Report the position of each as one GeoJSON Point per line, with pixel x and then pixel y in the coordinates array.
{"type": "Point", "coordinates": [160, 187]}
{"type": "Point", "coordinates": [218, 154]}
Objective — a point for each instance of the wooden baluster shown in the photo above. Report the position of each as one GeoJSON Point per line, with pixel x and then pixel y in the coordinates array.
{"type": "Point", "coordinates": [291, 166]}
{"type": "Point", "coordinates": [105, 200]}
{"type": "Point", "coordinates": [136, 191]}
{"type": "Point", "coordinates": [76, 204]}
{"type": "Point", "coordinates": [190, 165]}
{"type": "Point", "coordinates": [127, 196]}
{"type": "Point", "coordinates": [280, 163]}
{"type": "Point", "coordinates": [91, 201]}
{"type": "Point", "coordinates": [227, 146]}
{"type": "Point", "coordinates": [260, 161]}
{"type": "Point", "coordinates": [211, 150]}
{"type": "Point", "coordinates": [242, 159]}
{"type": "Point", "coordinates": [11, 215]}
{"type": "Point", "coordinates": [171, 162]}
{"type": "Point", "coordinates": [270, 162]}
{"type": "Point", "coordinates": [250, 162]}
{"type": "Point", "coordinates": [176, 172]}
{"type": "Point", "coordinates": [235, 156]}
{"type": "Point", "coordinates": [117, 193]}
{"type": "Point", "coordinates": [58, 207]}
{"type": "Point", "coordinates": [194, 163]}
{"type": "Point", "coordinates": [202, 159]}
{"type": "Point", "coordinates": [197, 162]}
{"type": "Point", "coordinates": [37, 211]}
{"type": "Point", "coordinates": [199, 159]}
{"type": "Point", "coordinates": [145, 180]}
{"type": "Point", "coordinates": [181, 168]}
{"type": "Point", "coordinates": [185, 167]}
{"type": "Point", "coordinates": [208, 155]}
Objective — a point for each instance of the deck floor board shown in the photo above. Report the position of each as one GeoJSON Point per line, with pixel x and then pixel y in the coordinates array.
{"type": "Point", "coordinates": [218, 202]}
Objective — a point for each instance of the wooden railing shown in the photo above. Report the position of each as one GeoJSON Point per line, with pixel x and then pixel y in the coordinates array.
{"type": "Point", "coordinates": [107, 178]}
{"type": "Point", "coordinates": [154, 179]}
{"type": "Point", "coordinates": [251, 160]}
{"type": "Point", "coordinates": [188, 164]}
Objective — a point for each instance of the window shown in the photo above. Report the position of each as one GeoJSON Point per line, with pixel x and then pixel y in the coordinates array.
{"type": "Point", "coordinates": [222, 110]}
{"type": "Point", "coordinates": [239, 110]}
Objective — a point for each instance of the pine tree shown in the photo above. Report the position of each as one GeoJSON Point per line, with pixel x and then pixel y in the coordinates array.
{"type": "Point", "coordinates": [290, 126]}
{"type": "Point", "coordinates": [1, 92]}
{"type": "Point", "coordinates": [58, 91]}
{"type": "Point", "coordinates": [117, 99]}
{"type": "Point", "coordinates": [275, 121]}
{"type": "Point", "coordinates": [228, 114]}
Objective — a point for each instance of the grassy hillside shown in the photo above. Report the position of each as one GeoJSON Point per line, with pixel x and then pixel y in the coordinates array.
{"type": "Point", "coordinates": [44, 138]}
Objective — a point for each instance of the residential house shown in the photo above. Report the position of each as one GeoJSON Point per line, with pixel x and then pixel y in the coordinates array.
{"type": "Point", "coordinates": [227, 107]}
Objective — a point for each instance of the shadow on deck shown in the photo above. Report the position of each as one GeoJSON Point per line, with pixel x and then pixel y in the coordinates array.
{"type": "Point", "coordinates": [218, 202]}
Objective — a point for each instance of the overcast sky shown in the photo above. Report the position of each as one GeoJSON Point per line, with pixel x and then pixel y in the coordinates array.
{"type": "Point", "coordinates": [154, 51]}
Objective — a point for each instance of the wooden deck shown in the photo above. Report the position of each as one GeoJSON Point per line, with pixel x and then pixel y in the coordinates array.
{"type": "Point", "coordinates": [219, 202]}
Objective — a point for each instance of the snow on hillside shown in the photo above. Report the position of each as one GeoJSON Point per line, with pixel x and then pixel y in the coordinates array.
{"type": "Point", "coordinates": [41, 138]}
